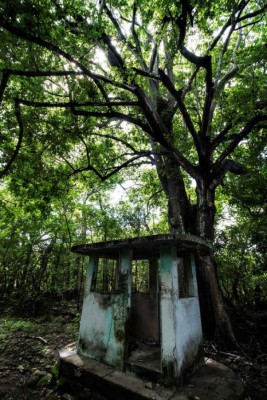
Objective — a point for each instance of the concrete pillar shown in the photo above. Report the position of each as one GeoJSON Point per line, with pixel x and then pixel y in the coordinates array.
{"type": "Point", "coordinates": [126, 273]}
{"type": "Point", "coordinates": [168, 297]}
{"type": "Point", "coordinates": [90, 280]}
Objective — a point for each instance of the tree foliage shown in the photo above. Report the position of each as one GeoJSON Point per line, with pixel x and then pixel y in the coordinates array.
{"type": "Point", "coordinates": [241, 244]}
{"type": "Point", "coordinates": [178, 73]}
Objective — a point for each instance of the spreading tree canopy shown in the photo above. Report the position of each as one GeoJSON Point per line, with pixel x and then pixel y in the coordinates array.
{"type": "Point", "coordinates": [108, 85]}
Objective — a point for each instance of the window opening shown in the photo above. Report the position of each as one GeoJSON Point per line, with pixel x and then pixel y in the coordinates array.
{"type": "Point", "coordinates": [106, 277]}
{"type": "Point", "coordinates": [140, 276]}
{"type": "Point", "coordinates": [185, 278]}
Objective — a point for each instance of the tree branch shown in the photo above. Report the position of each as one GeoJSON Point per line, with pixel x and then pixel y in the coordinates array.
{"type": "Point", "coordinates": [4, 81]}
{"type": "Point", "coordinates": [71, 104]}
{"type": "Point", "coordinates": [114, 57]}
{"type": "Point", "coordinates": [136, 40]}
{"type": "Point", "coordinates": [188, 86]}
{"type": "Point", "coordinates": [153, 57]}
{"type": "Point", "coordinates": [249, 24]}
{"type": "Point", "coordinates": [19, 142]}
{"type": "Point", "coordinates": [225, 79]}
{"type": "Point", "coordinates": [113, 172]}
{"type": "Point", "coordinates": [136, 49]}
{"type": "Point", "coordinates": [206, 116]}
{"type": "Point", "coordinates": [89, 167]}
{"type": "Point", "coordinates": [226, 166]}
{"type": "Point", "coordinates": [177, 94]}
{"type": "Point", "coordinates": [219, 138]}
{"type": "Point", "coordinates": [33, 74]}
{"type": "Point", "coordinates": [253, 14]}
{"type": "Point", "coordinates": [109, 114]}
{"type": "Point", "coordinates": [113, 115]}
{"type": "Point", "coordinates": [57, 50]}
{"type": "Point", "coordinates": [159, 132]}
{"type": "Point", "coordinates": [86, 148]}
{"type": "Point", "coordinates": [237, 139]}
{"type": "Point", "coordinates": [115, 23]}
{"type": "Point", "coordinates": [146, 74]}
{"type": "Point", "coordinates": [126, 144]}
{"type": "Point", "coordinates": [199, 61]}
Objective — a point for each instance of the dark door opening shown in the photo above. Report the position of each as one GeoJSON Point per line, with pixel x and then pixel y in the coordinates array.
{"type": "Point", "coordinates": [144, 349]}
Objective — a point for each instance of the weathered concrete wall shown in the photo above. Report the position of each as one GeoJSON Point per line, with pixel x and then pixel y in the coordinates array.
{"type": "Point", "coordinates": [188, 326]}
{"type": "Point", "coordinates": [180, 318]}
{"type": "Point", "coordinates": [104, 317]}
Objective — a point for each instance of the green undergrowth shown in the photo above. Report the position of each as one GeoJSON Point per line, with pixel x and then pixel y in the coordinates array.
{"type": "Point", "coordinates": [15, 325]}
{"type": "Point", "coordinates": [61, 317]}
{"type": "Point", "coordinates": [9, 325]}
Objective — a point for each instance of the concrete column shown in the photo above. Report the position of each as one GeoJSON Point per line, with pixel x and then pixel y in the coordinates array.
{"type": "Point", "coordinates": [194, 274]}
{"type": "Point", "coordinates": [168, 297]}
{"type": "Point", "coordinates": [126, 273]}
{"type": "Point", "coordinates": [90, 275]}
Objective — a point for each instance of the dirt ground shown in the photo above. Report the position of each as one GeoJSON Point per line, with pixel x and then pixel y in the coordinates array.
{"type": "Point", "coordinates": [29, 350]}
{"type": "Point", "coordinates": [250, 360]}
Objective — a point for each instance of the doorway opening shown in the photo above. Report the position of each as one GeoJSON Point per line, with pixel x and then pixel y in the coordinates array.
{"type": "Point", "coordinates": [144, 346]}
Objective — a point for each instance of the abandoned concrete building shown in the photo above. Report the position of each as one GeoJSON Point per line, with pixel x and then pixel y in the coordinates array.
{"type": "Point", "coordinates": [146, 324]}
{"type": "Point", "coordinates": [141, 322]}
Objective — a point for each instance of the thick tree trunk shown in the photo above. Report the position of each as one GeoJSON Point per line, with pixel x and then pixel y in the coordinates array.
{"type": "Point", "coordinates": [180, 210]}
{"type": "Point", "coordinates": [215, 319]}
{"type": "Point", "coordinates": [205, 216]}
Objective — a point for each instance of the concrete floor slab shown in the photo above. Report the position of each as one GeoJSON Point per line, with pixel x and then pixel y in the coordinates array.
{"type": "Point", "coordinates": [214, 381]}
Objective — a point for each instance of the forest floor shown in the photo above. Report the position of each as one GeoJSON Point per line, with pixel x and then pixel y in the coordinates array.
{"type": "Point", "coordinates": [29, 352]}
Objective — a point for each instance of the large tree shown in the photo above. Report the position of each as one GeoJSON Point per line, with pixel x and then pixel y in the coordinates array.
{"type": "Point", "coordinates": [176, 83]}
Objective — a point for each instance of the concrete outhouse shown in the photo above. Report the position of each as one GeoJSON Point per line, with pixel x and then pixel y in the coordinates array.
{"type": "Point", "coordinates": [141, 310]}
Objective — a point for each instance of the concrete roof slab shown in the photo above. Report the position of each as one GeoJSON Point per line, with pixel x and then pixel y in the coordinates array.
{"type": "Point", "coordinates": [145, 247]}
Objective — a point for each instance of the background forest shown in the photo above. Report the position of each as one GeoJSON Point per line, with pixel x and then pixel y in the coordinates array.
{"type": "Point", "coordinates": [42, 218]}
